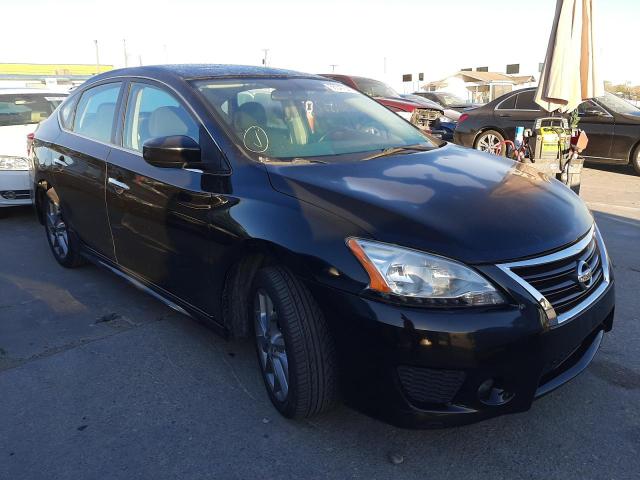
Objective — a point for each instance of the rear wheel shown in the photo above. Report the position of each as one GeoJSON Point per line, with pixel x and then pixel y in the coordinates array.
{"type": "Point", "coordinates": [490, 141]}
{"type": "Point", "coordinates": [63, 243]}
{"type": "Point", "coordinates": [295, 350]}
{"type": "Point", "coordinates": [635, 160]}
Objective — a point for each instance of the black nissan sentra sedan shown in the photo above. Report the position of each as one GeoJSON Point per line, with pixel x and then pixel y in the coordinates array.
{"type": "Point", "coordinates": [363, 257]}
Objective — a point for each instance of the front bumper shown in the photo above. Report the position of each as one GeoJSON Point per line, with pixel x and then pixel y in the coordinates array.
{"type": "Point", "coordinates": [381, 346]}
{"type": "Point", "coordinates": [15, 188]}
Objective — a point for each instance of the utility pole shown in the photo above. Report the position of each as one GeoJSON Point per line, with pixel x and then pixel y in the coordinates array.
{"type": "Point", "coordinates": [140, 59]}
{"type": "Point", "coordinates": [124, 51]}
{"type": "Point", "coordinates": [166, 53]}
{"type": "Point", "coordinates": [97, 57]}
{"type": "Point", "coordinates": [264, 58]}
{"type": "Point", "coordinates": [333, 67]}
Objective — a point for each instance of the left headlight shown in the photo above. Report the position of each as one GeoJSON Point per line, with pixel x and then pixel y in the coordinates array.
{"type": "Point", "coordinates": [14, 163]}
{"type": "Point", "coordinates": [432, 279]}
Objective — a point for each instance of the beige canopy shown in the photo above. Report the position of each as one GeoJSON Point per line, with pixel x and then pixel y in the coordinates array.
{"type": "Point", "coordinates": [570, 73]}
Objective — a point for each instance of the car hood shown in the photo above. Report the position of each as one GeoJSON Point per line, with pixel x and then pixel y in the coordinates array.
{"type": "Point", "coordinates": [13, 139]}
{"type": "Point", "coordinates": [452, 201]}
{"type": "Point", "coordinates": [402, 103]}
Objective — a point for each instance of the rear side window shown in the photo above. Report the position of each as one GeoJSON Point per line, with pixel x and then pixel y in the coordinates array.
{"type": "Point", "coordinates": [524, 101]}
{"type": "Point", "coordinates": [27, 108]}
{"type": "Point", "coordinates": [95, 112]}
{"type": "Point", "coordinates": [153, 113]}
{"type": "Point", "coordinates": [66, 113]}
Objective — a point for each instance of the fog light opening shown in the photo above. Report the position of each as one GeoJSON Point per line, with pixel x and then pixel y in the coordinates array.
{"type": "Point", "coordinates": [491, 393]}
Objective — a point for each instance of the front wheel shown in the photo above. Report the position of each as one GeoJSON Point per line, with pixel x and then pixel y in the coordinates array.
{"type": "Point", "coordinates": [490, 141]}
{"type": "Point", "coordinates": [295, 350]}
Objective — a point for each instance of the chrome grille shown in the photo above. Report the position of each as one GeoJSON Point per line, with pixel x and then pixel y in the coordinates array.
{"type": "Point", "coordinates": [558, 281]}
{"type": "Point", "coordinates": [15, 194]}
{"type": "Point", "coordinates": [554, 279]}
{"type": "Point", "coordinates": [423, 117]}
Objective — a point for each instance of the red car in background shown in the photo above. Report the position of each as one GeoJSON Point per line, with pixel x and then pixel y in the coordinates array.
{"type": "Point", "coordinates": [387, 96]}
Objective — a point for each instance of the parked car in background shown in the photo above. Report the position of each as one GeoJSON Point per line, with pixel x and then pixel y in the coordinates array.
{"type": "Point", "coordinates": [421, 116]}
{"type": "Point", "coordinates": [449, 100]}
{"type": "Point", "coordinates": [611, 123]}
{"type": "Point", "coordinates": [20, 112]}
{"type": "Point", "coordinates": [445, 122]}
{"type": "Point", "coordinates": [286, 208]}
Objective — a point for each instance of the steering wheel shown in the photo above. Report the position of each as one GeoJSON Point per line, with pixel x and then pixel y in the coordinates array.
{"type": "Point", "coordinates": [333, 135]}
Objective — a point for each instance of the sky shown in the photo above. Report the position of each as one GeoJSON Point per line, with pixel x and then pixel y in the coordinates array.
{"type": "Point", "coordinates": [377, 38]}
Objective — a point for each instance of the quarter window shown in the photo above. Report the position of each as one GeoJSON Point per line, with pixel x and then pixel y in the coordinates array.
{"type": "Point", "coordinates": [525, 101]}
{"type": "Point", "coordinates": [96, 110]}
{"type": "Point", "coordinates": [154, 113]}
{"type": "Point", "coordinates": [509, 103]}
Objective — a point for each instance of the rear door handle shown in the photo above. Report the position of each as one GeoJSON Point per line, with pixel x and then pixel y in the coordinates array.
{"type": "Point", "coordinates": [119, 187]}
{"type": "Point", "coordinates": [504, 115]}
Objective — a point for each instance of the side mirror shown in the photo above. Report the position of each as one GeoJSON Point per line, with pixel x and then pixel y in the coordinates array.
{"type": "Point", "coordinates": [171, 152]}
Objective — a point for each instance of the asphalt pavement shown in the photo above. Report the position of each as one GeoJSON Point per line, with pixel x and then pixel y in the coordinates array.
{"type": "Point", "coordinates": [99, 380]}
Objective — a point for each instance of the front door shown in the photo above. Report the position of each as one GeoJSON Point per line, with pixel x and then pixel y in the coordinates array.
{"type": "Point", "coordinates": [159, 216]}
{"type": "Point", "coordinates": [599, 126]}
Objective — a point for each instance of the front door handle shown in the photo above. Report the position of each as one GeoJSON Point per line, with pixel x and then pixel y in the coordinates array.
{"type": "Point", "coordinates": [60, 161]}
{"type": "Point", "coordinates": [119, 187]}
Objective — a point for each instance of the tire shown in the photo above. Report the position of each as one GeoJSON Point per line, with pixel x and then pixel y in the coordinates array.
{"type": "Point", "coordinates": [296, 327]}
{"type": "Point", "coordinates": [62, 241]}
{"type": "Point", "coordinates": [488, 140]}
{"type": "Point", "coordinates": [635, 160]}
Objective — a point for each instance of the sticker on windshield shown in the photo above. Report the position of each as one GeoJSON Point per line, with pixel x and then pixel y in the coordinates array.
{"type": "Point", "coordinates": [255, 139]}
{"type": "Point", "coordinates": [338, 87]}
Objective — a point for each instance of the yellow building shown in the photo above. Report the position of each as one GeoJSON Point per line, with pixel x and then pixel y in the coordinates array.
{"type": "Point", "coordinates": [52, 69]}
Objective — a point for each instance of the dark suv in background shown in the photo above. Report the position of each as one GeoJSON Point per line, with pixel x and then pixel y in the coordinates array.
{"type": "Point", "coordinates": [611, 123]}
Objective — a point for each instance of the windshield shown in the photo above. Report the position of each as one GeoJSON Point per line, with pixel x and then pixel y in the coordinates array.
{"type": "Point", "coordinates": [303, 118]}
{"type": "Point", "coordinates": [617, 104]}
{"type": "Point", "coordinates": [449, 99]}
{"type": "Point", "coordinates": [22, 109]}
{"type": "Point", "coordinates": [374, 88]}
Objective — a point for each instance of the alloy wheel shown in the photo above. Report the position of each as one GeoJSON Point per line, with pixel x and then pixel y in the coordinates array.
{"type": "Point", "coordinates": [57, 230]}
{"type": "Point", "coordinates": [271, 346]}
{"type": "Point", "coordinates": [489, 143]}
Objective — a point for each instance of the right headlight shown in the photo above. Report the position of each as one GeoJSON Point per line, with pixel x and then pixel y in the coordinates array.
{"type": "Point", "coordinates": [13, 163]}
{"type": "Point", "coordinates": [432, 279]}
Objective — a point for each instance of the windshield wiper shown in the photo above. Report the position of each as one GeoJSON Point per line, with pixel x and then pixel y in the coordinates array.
{"type": "Point", "coordinates": [394, 150]}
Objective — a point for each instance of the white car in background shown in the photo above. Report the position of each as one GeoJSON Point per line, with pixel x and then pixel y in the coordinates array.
{"type": "Point", "coordinates": [20, 112]}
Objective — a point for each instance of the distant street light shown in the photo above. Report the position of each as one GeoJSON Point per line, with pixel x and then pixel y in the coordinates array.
{"type": "Point", "coordinates": [97, 57]}
{"type": "Point", "coordinates": [264, 58]}
{"type": "Point", "coordinates": [333, 67]}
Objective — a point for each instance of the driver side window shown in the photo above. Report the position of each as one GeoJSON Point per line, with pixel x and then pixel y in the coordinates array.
{"type": "Point", "coordinates": [590, 109]}
{"type": "Point", "coordinates": [153, 113]}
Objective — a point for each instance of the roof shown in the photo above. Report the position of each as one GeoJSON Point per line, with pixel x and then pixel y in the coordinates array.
{"type": "Point", "coordinates": [190, 71]}
{"type": "Point", "coordinates": [487, 77]}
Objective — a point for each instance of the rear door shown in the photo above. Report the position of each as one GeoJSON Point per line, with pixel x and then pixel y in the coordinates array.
{"type": "Point", "coordinates": [160, 216]}
{"type": "Point", "coordinates": [79, 159]}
